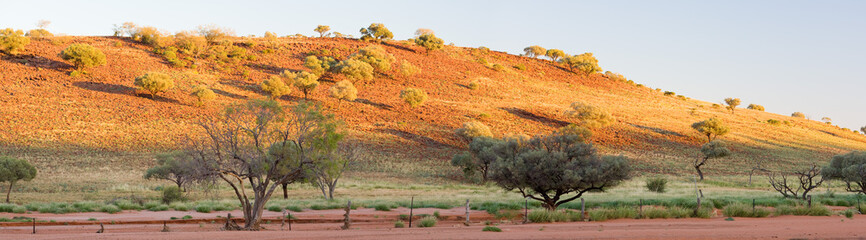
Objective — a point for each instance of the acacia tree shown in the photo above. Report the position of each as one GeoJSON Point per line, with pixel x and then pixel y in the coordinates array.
{"type": "Point", "coordinates": [849, 168]}
{"type": "Point", "coordinates": [306, 82]}
{"type": "Point", "coordinates": [175, 167]}
{"type": "Point", "coordinates": [323, 30]}
{"type": "Point", "coordinates": [13, 170]}
{"type": "Point", "coordinates": [259, 144]}
{"type": "Point", "coordinates": [711, 150]}
{"type": "Point", "coordinates": [554, 54]}
{"type": "Point", "coordinates": [330, 163]}
{"type": "Point", "coordinates": [732, 103]}
{"type": "Point", "coordinates": [482, 152]}
{"type": "Point", "coordinates": [547, 168]}
{"type": "Point", "coordinates": [711, 128]}
{"type": "Point", "coordinates": [376, 31]}
{"type": "Point", "coordinates": [534, 51]}
{"type": "Point", "coordinates": [584, 63]}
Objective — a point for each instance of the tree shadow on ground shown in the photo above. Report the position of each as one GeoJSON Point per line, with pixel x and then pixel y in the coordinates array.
{"type": "Point", "coordinates": [374, 104]}
{"type": "Point", "coordinates": [228, 94]}
{"type": "Point", "coordinates": [658, 130]}
{"type": "Point", "coordinates": [122, 90]}
{"type": "Point", "coordinates": [534, 117]}
{"type": "Point", "coordinates": [31, 60]}
{"type": "Point", "coordinates": [423, 140]}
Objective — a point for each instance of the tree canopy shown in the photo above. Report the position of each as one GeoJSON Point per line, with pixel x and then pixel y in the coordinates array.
{"type": "Point", "coordinates": [712, 128]}
{"type": "Point", "coordinates": [849, 168]}
{"type": "Point", "coordinates": [13, 170]}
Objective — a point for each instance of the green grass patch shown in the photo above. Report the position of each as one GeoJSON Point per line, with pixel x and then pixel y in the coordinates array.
{"type": "Point", "coordinates": [604, 214]}
{"type": "Point", "coordinates": [491, 229]}
{"type": "Point", "coordinates": [745, 210]}
{"type": "Point", "coordinates": [544, 215]}
{"type": "Point", "coordinates": [815, 210]}
{"type": "Point", "coordinates": [428, 221]}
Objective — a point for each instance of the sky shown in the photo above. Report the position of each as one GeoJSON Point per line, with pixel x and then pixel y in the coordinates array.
{"type": "Point", "coordinates": [788, 56]}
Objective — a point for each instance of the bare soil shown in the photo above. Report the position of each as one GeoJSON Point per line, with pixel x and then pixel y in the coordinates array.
{"type": "Point", "coordinates": [371, 224]}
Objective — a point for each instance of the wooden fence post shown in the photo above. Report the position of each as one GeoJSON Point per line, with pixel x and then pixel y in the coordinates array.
{"type": "Point", "coordinates": [34, 225]}
{"type": "Point", "coordinates": [347, 222]}
{"type": "Point", "coordinates": [467, 213]}
{"type": "Point", "coordinates": [640, 208]}
{"type": "Point", "coordinates": [526, 210]}
{"type": "Point", "coordinates": [411, 206]}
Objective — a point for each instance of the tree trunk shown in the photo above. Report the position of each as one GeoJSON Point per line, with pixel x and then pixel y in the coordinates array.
{"type": "Point", "coordinates": [179, 186]}
{"type": "Point", "coordinates": [285, 192]}
{"type": "Point", "coordinates": [9, 191]}
{"type": "Point", "coordinates": [700, 174]}
{"type": "Point", "coordinates": [550, 205]}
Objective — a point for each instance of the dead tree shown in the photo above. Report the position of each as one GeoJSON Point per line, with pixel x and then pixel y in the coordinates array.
{"type": "Point", "coordinates": [808, 180]}
{"type": "Point", "coordinates": [757, 168]}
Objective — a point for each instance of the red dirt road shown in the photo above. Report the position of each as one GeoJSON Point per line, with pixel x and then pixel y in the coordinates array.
{"type": "Point", "coordinates": [379, 225]}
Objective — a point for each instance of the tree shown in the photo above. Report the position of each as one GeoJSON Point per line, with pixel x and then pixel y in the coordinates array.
{"type": "Point", "coordinates": [590, 116]}
{"type": "Point", "coordinates": [863, 129]}
{"type": "Point", "coordinates": [12, 41]}
{"type": "Point", "coordinates": [322, 30]}
{"type": "Point", "coordinates": [584, 63]}
{"type": "Point", "coordinates": [476, 161]}
{"type": "Point", "coordinates": [329, 167]}
{"type": "Point", "coordinates": [546, 168]}
{"type": "Point", "coordinates": [174, 167]}
{"type": "Point", "coordinates": [712, 128]}
{"type": "Point", "coordinates": [276, 86]}
{"type": "Point", "coordinates": [756, 107]}
{"type": "Point", "coordinates": [809, 179]}
{"type": "Point", "coordinates": [355, 70]}
{"type": "Point", "coordinates": [413, 96]}
{"type": "Point", "coordinates": [710, 150]}
{"type": "Point", "coordinates": [423, 31]}
{"type": "Point", "coordinates": [849, 168]}
{"type": "Point", "coordinates": [203, 95]}
{"type": "Point", "coordinates": [214, 33]}
{"type": "Point", "coordinates": [732, 103]}
{"type": "Point", "coordinates": [472, 130]}
{"type": "Point", "coordinates": [376, 31]}
{"type": "Point", "coordinates": [344, 90]}
{"type": "Point", "coordinates": [827, 120]}
{"type": "Point", "coordinates": [376, 56]}
{"type": "Point", "coordinates": [430, 42]}
{"type": "Point", "coordinates": [127, 28]}
{"type": "Point", "coordinates": [798, 115]}
{"type": "Point", "coordinates": [319, 65]}
{"type": "Point", "coordinates": [42, 24]}
{"type": "Point", "coordinates": [147, 35]}
{"type": "Point", "coordinates": [554, 54]}
{"type": "Point", "coordinates": [13, 170]}
{"type": "Point", "coordinates": [306, 82]}
{"type": "Point", "coordinates": [260, 145]}
{"type": "Point", "coordinates": [154, 82]}
{"type": "Point", "coordinates": [534, 51]}
{"type": "Point", "coordinates": [83, 56]}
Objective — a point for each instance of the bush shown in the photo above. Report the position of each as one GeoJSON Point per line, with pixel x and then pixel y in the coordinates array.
{"type": "Point", "coordinates": [12, 41]}
{"type": "Point", "coordinates": [294, 208]}
{"type": "Point", "coordinates": [413, 96]}
{"type": "Point", "coordinates": [171, 194]}
{"type": "Point", "coordinates": [669, 93]}
{"type": "Point", "coordinates": [190, 43]}
{"type": "Point", "coordinates": [399, 224]}
{"type": "Point", "coordinates": [203, 208]}
{"type": "Point", "coordinates": [590, 116]}
{"type": "Point", "coordinates": [154, 82]}
{"type": "Point", "coordinates": [344, 90]}
{"type": "Point", "coordinates": [711, 128]}
{"type": "Point", "coordinates": [472, 130]}
{"type": "Point", "coordinates": [39, 33]}
{"type": "Point", "coordinates": [849, 169]}
{"type": "Point", "coordinates": [318, 65]}
{"type": "Point", "coordinates": [774, 122]}
{"type": "Point", "coordinates": [585, 63]}
{"type": "Point", "coordinates": [306, 82]}
{"type": "Point", "coordinates": [756, 107]}
{"type": "Point", "coordinates": [203, 95]}
{"type": "Point", "coordinates": [656, 184]}
{"type": "Point", "coordinates": [376, 31]}
{"type": "Point", "coordinates": [376, 56]}
{"type": "Point", "coordinates": [543, 215]}
{"type": "Point", "coordinates": [744, 210]}
{"type": "Point", "coordinates": [474, 85]}
{"type": "Point", "coordinates": [798, 115]}
{"type": "Point", "coordinates": [276, 87]}
{"type": "Point", "coordinates": [382, 207]}
{"type": "Point", "coordinates": [491, 229]}
{"type": "Point", "coordinates": [534, 51]}
{"type": "Point", "coordinates": [603, 214]}
{"type": "Point", "coordinates": [83, 56]}
{"type": "Point", "coordinates": [616, 77]}
{"type": "Point", "coordinates": [147, 35]}
{"type": "Point", "coordinates": [407, 69]}
{"type": "Point", "coordinates": [355, 69]}
{"type": "Point", "coordinates": [108, 208]}
{"type": "Point", "coordinates": [848, 213]}
{"type": "Point", "coordinates": [157, 208]}
{"type": "Point", "coordinates": [554, 54]}
{"type": "Point", "coordinates": [178, 206]}
{"type": "Point", "coordinates": [520, 67]}
{"type": "Point", "coordinates": [275, 208]}
{"type": "Point", "coordinates": [732, 103]}
{"type": "Point", "coordinates": [430, 42]}
{"type": "Point", "coordinates": [428, 221]}
{"type": "Point", "coordinates": [497, 67]}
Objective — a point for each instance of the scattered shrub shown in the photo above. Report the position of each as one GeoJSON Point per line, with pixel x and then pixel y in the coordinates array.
{"type": "Point", "coordinates": [711, 128]}
{"type": "Point", "coordinates": [474, 85]}
{"type": "Point", "coordinates": [520, 67]}
{"type": "Point", "coordinates": [189, 42]}
{"type": "Point", "coordinates": [603, 214]}
{"type": "Point", "coordinates": [497, 67]}
{"type": "Point", "coordinates": [413, 96]}
{"type": "Point", "coordinates": [472, 130]}
{"type": "Point", "coordinates": [430, 42]}
{"type": "Point", "coordinates": [203, 95]}
{"type": "Point", "coordinates": [147, 35]}
{"type": "Point", "coordinates": [186, 217]}
{"type": "Point", "coordinates": [848, 213]}
{"type": "Point", "coordinates": [318, 65]}
{"type": "Point", "coordinates": [619, 77]}
{"type": "Point", "coordinates": [798, 115]}
{"type": "Point", "coordinates": [407, 69]}
{"type": "Point", "coordinates": [590, 116]}
{"type": "Point", "coordinates": [294, 208]}
{"type": "Point", "coordinates": [322, 30]}
{"type": "Point", "coordinates": [275, 208]}
{"type": "Point", "coordinates": [554, 54]}
{"type": "Point", "coordinates": [491, 229]}
{"type": "Point", "coordinates": [213, 33]}
{"type": "Point", "coordinates": [732, 103]}
{"type": "Point", "coordinates": [203, 208]}
{"type": "Point", "coordinates": [428, 221]}
{"type": "Point", "coordinates": [39, 34]}
{"type": "Point", "coordinates": [657, 184]}
{"type": "Point", "coordinates": [756, 107]}
{"type": "Point", "coordinates": [399, 224]}
{"type": "Point", "coordinates": [376, 31]}
{"type": "Point", "coordinates": [306, 82]}
{"type": "Point", "coordinates": [154, 82]}
{"type": "Point", "coordinates": [534, 51]}
{"type": "Point", "coordinates": [171, 194]}
{"type": "Point", "coordinates": [276, 87]}
{"type": "Point", "coordinates": [543, 216]}
{"type": "Point", "coordinates": [774, 122]}
{"type": "Point", "coordinates": [108, 208]}
{"type": "Point", "coordinates": [355, 69]}
{"type": "Point", "coordinates": [744, 210]}
{"type": "Point", "coordinates": [12, 41]}
{"type": "Point", "coordinates": [382, 207]}
{"type": "Point", "coordinates": [585, 63]}
{"type": "Point", "coordinates": [669, 93]}
{"type": "Point", "coordinates": [376, 56]}
{"type": "Point", "coordinates": [83, 56]}
{"type": "Point", "coordinates": [344, 90]}
{"type": "Point", "coordinates": [815, 210]}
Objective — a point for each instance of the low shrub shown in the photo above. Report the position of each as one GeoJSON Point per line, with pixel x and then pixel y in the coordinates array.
{"type": "Point", "coordinates": [294, 208]}
{"type": "Point", "coordinates": [178, 206]}
{"type": "Point", "coordinates": [275, 208]}
{"type": "Point", "coordinates": [203, 208]}
{"type": "Point", "coordinates": [745, 210]}
{"type": "Point", "coordinates": [428, 221]}
{"type": "Point", "coordinates": [382, 207]}
{"type": "Point", "coordinates": [171, 194]}
{"type": "Point", "coordinates": [407, 69]}
{"type": "Point", "coordinates": [657, 184]}
{"type": "Point", "coordinates": [603, 214]}
{"type": "Point", "coordinates": [154, 82]}
{"type": "Point", "coordinates": [497, 67]}
{"type": "Point", "coordinates": [186, 217]}
{"type": "Point", "coordinates": [756, 107]}
{"type": "Point", "coordinates": [12, 41]}
{"type": "Point", "coordinates": [669, 93]}
{"type": "Point", "coordinates": [774, 122]}
{"type": "Point", "coordinates": [127, 205]}
{"type": "Point", "coordinates": [541, 216]}
{"type": "Point", "coordinates": [848, 213]}
{"type": "Point", "coordinates": [413, 96]}
{"type": "Point", "coordinates": [491, 229]}
{"type": "Point", "coordinates": [472, 130]}
{"type": "Point", "coordinates": [399, 224]}
{"type": "Point", "coordinates": [108, 208]}
{"type": "Point", "coordinates": [520, 67]}
{"type": "Point", "coordinates": [83, 56]}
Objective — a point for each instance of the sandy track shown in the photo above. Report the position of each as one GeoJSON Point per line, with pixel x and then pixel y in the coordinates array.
{"type": "Point", "coordinates": [381, 227]}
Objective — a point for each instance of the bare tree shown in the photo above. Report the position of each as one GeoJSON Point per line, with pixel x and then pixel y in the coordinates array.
{"type": "Point", "coordinates": [259, 144]}
{"type": "Point", "coordinates": [330, 166]}
{"type": "Point", "coordinates": [759, 168]}
{"type": "Point", "coordinates": [808, 180]}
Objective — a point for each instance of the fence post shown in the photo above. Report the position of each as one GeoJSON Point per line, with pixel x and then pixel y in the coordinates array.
{"type": "Point", "coordinates": [640, 208]}
{"type": "Point", "coordinates": [467, 212]}
{"type": "Point", "coordinates": [347, 222]}
{"type": "Point", "coordinates": [582, 210]}
{"type": "Point", "coordinates": [753, 206]}
{"type": "Point", "coordinates": [34, 225]}
{"type": "Point", "coordinates": [290, 221]}
{"type": "Point", "coordinates": [411, 205]}
{"type": "Point", "coordinates": [526, 210]}
{"type": "Point", "coordinates": [809, 201]}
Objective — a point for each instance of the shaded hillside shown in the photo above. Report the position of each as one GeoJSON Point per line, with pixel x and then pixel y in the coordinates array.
{"type": "Point", "coordinates": [41, 106]}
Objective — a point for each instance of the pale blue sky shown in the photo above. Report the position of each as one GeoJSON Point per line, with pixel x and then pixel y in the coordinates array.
{"type": "Point", "coordinates": [786, 55]}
